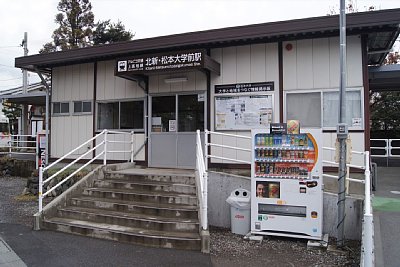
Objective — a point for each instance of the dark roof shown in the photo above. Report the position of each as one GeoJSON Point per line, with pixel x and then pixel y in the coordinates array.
{"type": "Point", "coordinates": [381, 27]}
{"type": "Point", "coordinates": [35, 95]}
{"type": "Point", "coordinates": [384, 78]}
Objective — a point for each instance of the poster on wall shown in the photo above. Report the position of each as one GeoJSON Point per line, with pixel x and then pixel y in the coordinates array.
{"type": "Point", "coordinates": [243, 112]}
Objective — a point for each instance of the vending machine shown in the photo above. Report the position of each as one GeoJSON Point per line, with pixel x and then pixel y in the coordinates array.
{"type": "Point", "coordinates": [286, 188]}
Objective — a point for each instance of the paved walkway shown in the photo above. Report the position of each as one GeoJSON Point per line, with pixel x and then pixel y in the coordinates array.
{"type": "Point", "coordinates": [8, 258]}
{"type": "Point", "coordinates": [386, 207]}
{"type": "Point", "coordinates": [47, 248]}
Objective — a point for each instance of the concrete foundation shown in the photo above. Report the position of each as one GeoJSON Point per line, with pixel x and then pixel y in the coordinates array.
{"type": "Point", "coordinates": [220, 186]}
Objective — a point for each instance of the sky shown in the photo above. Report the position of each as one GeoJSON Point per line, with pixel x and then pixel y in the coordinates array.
{"type": "Point", "coordinates": [149, 18]}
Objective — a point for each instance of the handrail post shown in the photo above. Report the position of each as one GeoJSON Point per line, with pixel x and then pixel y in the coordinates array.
{"type": "Point", "coordinates": [388, 151]}
{"type": "Point", "coordinates": [367, 184]}
{"type": "Point", "coordinates": [368, 218]}
{"type": "Point", "coordinates": [132, 140]}
{"type": "Point", "coordinates": [40, 189]}
{"type": "Point", "coordinates": [105, 148]}
{"type": "Point", "coordinates": [9, 146]}
{"type": "Point", "coordinates": [206, 134]}
{"type": "Point", "coordinates": [205, 201]}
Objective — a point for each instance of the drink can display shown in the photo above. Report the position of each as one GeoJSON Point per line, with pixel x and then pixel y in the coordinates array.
{"type": "Point", "coordinates": [273, 190]}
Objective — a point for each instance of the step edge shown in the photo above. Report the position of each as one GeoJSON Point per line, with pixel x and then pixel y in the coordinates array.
{"type": "Point", "coordinates": [54, 220]}
{"type": "Point", "coordinates": [138, 204]}
{"type": "Point", "coordinates": [155, 220]}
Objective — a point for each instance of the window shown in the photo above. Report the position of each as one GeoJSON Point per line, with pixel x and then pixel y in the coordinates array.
{"type": "Point", "coordinates": [163, 110]}
{"type": "Point", "coordinates": [353, 108]}
{"type": "Point", "coordinates": [190, 113]}
{"type": "Point", "coordinates": [82, 106]}
{"type": "Point", "coordinates": [121, 115]}
{"type": "Point", "coordinates": [305, 107]}
{"type": "Point", "coordinates": [61, 108]}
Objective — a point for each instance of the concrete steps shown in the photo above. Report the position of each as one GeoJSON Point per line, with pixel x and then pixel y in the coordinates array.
{"type": "Point", "coordinates": [152, 207]}
{"type": "Point", "coordinates": [161, 209]}
{"type": "Point", "coordinates": [161, 239]}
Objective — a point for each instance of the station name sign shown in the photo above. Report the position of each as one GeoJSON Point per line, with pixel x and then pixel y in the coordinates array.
{"type": "Point", "coordinates": [244, 88]}
{"type": "Point", "coordinates": [161, 62]}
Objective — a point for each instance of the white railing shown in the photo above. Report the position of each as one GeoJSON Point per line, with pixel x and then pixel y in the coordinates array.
{"type": "Point", "coordinates": [18, 144]}
{"type": "Point", "coordinates": [385, 148]}
{"type": "Point", "coordinates": [367, 240]}
{"type": "Point", "coordinates": [209, 144]}
{"type": "Point", "coordinates": [377, 148]}
{"type": "Point", "coordinates": [201, 181]}
{"type": "Point", "coordinates": [202, 158]}
{"type": "Point", "coordinates": [101, 150]}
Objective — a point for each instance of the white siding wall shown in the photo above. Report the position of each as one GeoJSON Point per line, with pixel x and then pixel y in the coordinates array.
{"type": "Point", "coordinates": [197, 81]}
{"type": "Point", "coordinates": [109, 88]}
{"type": "Point", "coordinates": [76, 82]}
{"type": "Point", "coordinates": [242, 64]}
{"type": "Point", "coordinates": [71, 83]}
{"type": "Point", "coordinates": [314, 65]}
{"type": "Point", "coordinates": [311, 64]}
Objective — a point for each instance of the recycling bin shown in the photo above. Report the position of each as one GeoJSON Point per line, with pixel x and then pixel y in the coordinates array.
{"type": "Point", "coordinates": [239, 201]}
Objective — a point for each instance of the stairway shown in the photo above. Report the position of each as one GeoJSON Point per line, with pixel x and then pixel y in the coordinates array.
{"type": "Point", "coordinates": [151, 207]}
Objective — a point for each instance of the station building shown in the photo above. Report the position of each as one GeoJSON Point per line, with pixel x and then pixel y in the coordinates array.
{"type": "Point", "coordinates": [228, 80]}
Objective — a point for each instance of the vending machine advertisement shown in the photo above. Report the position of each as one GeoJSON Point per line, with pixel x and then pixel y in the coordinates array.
{"type": "Point", "coordinates": [286, 170]}
{"type": "Point", "coordinates": [41, 150]}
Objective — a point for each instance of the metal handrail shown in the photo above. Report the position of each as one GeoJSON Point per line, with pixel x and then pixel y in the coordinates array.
{"type": "Point", "coordinates": [367, 243]}
{"type": "Point", "coordinates": [209, 144]}
{"type": "Point", "coordinates": [386, 148]}
{"type": "Point", "coordinates": [96, 148]}
{"type": "Point", "coordinates": [18, 142]}
{"type": "Point", "coordinates": [201, 181]}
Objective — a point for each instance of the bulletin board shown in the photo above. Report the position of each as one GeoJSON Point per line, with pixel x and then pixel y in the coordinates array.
{"type": "Point", "coordinates": [244, 112]}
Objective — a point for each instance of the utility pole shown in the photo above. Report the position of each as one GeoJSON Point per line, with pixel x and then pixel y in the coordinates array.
{"type": "Point", "coordinates": [25, 72]}
{"type": "Point", "coordinates": [342, 129]}
{"type": "Point", "coordinates": [24, 113]}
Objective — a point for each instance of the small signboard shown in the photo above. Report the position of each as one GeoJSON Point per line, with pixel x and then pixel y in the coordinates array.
{"type": "Point", "coordinates": [172, 126]}
{"type": "Point", "coordinates": [159, 62]}
{"type": "Point", "coordinates": [244, 88]}
{"type": "Point", "coordinates": [293, 127]}
{"type": "Point", "coordinates": [278, 128]}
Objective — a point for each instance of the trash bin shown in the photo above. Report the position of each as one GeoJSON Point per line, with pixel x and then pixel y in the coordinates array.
{"type": "Point", "coordinates": [240, 211]}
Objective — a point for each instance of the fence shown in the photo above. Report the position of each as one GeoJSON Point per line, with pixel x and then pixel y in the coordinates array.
{"type": "Point", "coordinates": [385, 148]}
{"type": "Point", "coordinates": [18, 145]}
{"type": "Point", "coordinates": [367, 240]}
{"type": "Point", "coordinates": [101, 149]}
{"type": "Point", "coordinates": [202, 158]}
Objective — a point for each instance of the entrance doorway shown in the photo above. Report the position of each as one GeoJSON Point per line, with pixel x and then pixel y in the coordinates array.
{"type": "Point", "coordinates": [173, 122]}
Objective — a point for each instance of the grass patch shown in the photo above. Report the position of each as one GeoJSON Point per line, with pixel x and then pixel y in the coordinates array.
{"type": "Point", "coordinates": [26, 198]}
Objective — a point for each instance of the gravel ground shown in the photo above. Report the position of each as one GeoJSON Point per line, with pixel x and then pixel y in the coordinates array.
{"type": "Point", "coordinates": [227, 249]}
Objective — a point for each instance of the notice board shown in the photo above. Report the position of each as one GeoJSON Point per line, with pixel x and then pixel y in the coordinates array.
{"type": "Point", "coordinates": [243, 112]}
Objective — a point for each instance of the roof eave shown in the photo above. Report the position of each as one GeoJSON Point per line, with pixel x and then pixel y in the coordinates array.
{"type": "Point", "coordinates": [282, 30]}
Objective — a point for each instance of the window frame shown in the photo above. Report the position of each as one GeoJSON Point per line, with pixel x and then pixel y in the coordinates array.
{"type": "Point", "coordinates": [351, 127]}
{"type": "Point", "coordinates": [322, 91]}
{"type": "Point", "coordinates": [82, 103]}
{"type": "Point", "coordinates": [61, 113]}
{"type": "Point", "coordinates": [119, 101]}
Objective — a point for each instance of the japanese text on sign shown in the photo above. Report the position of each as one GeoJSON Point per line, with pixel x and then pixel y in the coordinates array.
{"type": "Point", "coordinates": [244, 88]}
{"type": "Point", "coordinates": [161, 62]}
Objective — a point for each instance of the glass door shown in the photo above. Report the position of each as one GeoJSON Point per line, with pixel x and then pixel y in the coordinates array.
{"type": "Point", "coordinates": [174, 121]}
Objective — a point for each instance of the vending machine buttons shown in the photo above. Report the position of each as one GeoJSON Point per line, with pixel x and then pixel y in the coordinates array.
{"type": "Point", "coordinates": [314, 214]}
{"type": "Point", "coordinates": [312, 184]}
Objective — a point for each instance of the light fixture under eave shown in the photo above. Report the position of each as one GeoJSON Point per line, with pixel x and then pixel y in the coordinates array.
{"type": "Point", "coordinates": [176, 80]}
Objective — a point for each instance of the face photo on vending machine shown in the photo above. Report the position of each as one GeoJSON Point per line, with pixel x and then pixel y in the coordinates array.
{"type": "Point", "coordinates": [261, 189]}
